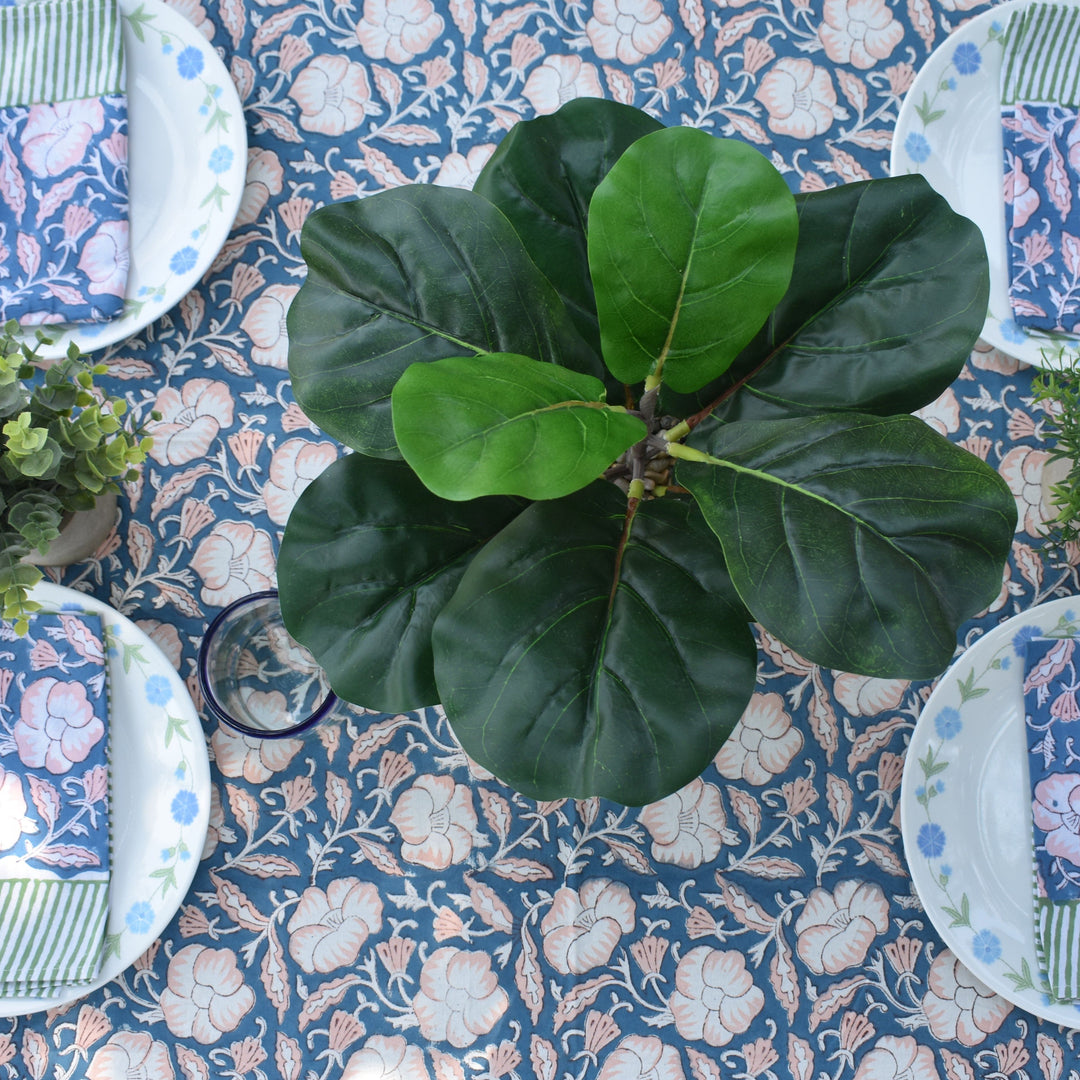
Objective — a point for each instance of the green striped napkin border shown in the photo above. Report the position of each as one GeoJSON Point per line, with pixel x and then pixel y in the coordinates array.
{"type": "Point", "coordinates": [60, 50]}
{"type": "Point", "coordinates": [1041, 61]}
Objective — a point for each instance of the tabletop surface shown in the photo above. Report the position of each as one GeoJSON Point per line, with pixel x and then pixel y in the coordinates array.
{"type": "Point", "coordinates": [368, 904]}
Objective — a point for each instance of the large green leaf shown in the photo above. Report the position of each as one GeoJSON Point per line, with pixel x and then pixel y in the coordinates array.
{"type": "Point", "coordinates": [501, 424]}
{"type": "Point", "coordinates": [368, 559]}
{"type": "Point", "coordinates": [691, 244]}
{"type": "Point", "coordinates": [862, 542]}
{"type": "Point", "coordinates": [887, 298]}
{"type": "Point", "coordinates": [542, 176]}
{"type": "Point", "coordinates": [572, 663]}
{"type": "Point", "coordinates": [413, 274]}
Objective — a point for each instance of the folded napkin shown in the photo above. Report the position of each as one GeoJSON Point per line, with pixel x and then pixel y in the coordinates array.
{"type": "Point", "coordinates": [63, 162]}
{"type": "Point", "coordinates": [1040, 92]}
{"type": "Point", "coordinates": [54, 804]}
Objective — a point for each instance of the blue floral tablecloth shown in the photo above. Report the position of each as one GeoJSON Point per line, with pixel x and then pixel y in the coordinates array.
{"type": "Point", "coordinates": [368, 903]}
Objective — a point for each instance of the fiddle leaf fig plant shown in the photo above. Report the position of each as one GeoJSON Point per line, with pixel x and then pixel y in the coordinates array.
{"type": "Point", "coordinates": [623, 400]}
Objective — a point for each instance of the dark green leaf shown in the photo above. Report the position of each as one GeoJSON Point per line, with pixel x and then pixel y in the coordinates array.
{"type": "Point", "coordinates": [571, 663]}
{"type": "Point", "coordinates": [691, 244]}
{"type": "Point", "coordinates": [413, 274]}
{"type": "Point", "coordinates": [887, 298]}
{"type": "Point", "coordinates": [861, 542]}
{"type": "Point", "coordinates": [368, 559]}
{"type": "Point", "coordinates": [506, 425]}
{"type": "Point", "coordinates": [542, 176]}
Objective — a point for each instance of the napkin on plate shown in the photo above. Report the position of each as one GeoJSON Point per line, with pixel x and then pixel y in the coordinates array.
{"type": "Point", "coordinates": [54, 804]}
{"type": "Point", "coordinates": [1051, 712]}
{"type": "Point", "coordinates": [1040, 92]}
{"type": "Point", "coordinates": [63, 162]}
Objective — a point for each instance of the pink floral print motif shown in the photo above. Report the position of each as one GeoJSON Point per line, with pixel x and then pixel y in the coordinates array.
{"type": "Point", "coordinates": [131, 1054]}
{"type": "Point", "coordinates": [333, 95]}
{"type": "Point", "coordinates": [56, 137]}
{"type": "Point", "coordinates": [265, 177]}
{"type": "Point", "coordinates": [715, 998]}
{"type": "Point", "coordinates": [1022, 469]}
{"type": "Point", "coordinates": [296, 462]}
{"type": "Point", "coordinates": [256, 760]}
{"type": "Point", "coordinates": [437, 821]}
{"type": "Point", "coordinates": [898, 1058]}
{"type": "Point", "coordinates": [205, 995]}
{"type": "Point", "coordinates": [328, 929]}
{"type": "Point", "coordinates": [57, 726]}
{"type": "Point", "coordinates": [799, 98]}
{"type": "Point", "coordinates": [191, 418]}
{"type": "Point", "coordinates": [859, 32]}
{"type": "Point", "coordinates": [459, 997]}
{"type": "Point", "coordinates": [688, 827]}
{"type": "Point", "coordinates": [459, 170]}
{"type": "Point", "coordinates": [398, 30]}
{"type": "Point", "coordinates": [264, 323]}
{"type": "Point", "coordinates": [1019, 194]}
{"type": "Point", "coordinates": [560, 79]}
{"type": "Point", "coordinates": [234, 560]}
{"type": "Point", "coordinates": [836, 929]}
{"type": "Point", "coordinates": [13, 819]}
{"type": "Point", "coordinates": [763, 743]}
{"type": "Point", "coordinates": [106, 258]}
{"type": "Point", "coordinates": [642, 1057]}
{"type": "Point", "coordinates": [582, 928]}
{"type": "Point", "coordinates": [627, 30]}
{"type": "Point", "coordinates": [959, 1006]}
{"type": "Point", "coordinates": [386, 1058]}
{"type": "Point", "coordinates": [1056, 810]}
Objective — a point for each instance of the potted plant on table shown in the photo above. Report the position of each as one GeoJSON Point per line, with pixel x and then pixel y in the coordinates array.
{"type": "Point", "coordinates": [610, 408]}
{"type": "Point", "coordinates": [63, 447]}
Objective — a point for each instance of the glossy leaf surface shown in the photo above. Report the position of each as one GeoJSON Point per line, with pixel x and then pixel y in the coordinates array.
{"type": "Point", "coordinates": [412, 274]}
{"type": "Point", "coordinates": [887, 299]}
{"type": "Point", "coordinates": [862, 542]}
{"type": "Point", "coordinates": [691, 244]}
{"type": "Point", "coordinates": [368, 559]}
{"type": "Point", "coordinates": [542, 177]}
{"type": "Point", "coordinates": [506, 425]}
{"type": "Point", "coordinates": [569, 665]}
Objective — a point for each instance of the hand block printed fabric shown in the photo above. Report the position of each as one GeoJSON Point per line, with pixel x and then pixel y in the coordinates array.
{"type": "Point", "coordinates": [54, 803]}
{"type": "Point", "coordinates": [63, 162]}
{"type": "Point", "coordinates": [1040, 92]}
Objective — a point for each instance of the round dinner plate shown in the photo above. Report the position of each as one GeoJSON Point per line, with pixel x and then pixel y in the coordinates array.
{"type": "Point", "coordinates": [159, 792]}
{"type": "Point", "coordinates": [949, 130]}
{"type": "Point", "coordinates": [965, 810]}
{"type": "Point", "coordinates": [187, 159]}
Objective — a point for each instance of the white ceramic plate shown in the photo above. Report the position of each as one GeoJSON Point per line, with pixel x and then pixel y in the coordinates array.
{"type": "Point", "coordinates": [187, 155]}
{"type": "Point", "coordinates": [965, 811]}
{"type": "Point", "coordinates": [160, 790]}
{"type": "Point", "coordinates": [949, 130]}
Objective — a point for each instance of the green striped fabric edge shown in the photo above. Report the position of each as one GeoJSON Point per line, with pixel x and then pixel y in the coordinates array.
{"type": "Point", "coordinates": [1057, 940]}
{"type": "Point", "coordinates": [51, 933]}
{"type": "Point", "coordinates": [60, 50]}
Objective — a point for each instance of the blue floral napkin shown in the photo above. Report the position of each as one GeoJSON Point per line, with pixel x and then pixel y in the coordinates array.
{"type": "Point", "coordinates": [1040, 92]}
{"type": "Point", "coordinates": [1051, 711]}
{"type": "Point", "coordinates": [54, 804]}
{"type": "Point", "coordinates": [63, 162]}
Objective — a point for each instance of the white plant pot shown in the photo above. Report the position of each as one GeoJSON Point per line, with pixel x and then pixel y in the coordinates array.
{"type": "Point", "coordinates": [81, 536]}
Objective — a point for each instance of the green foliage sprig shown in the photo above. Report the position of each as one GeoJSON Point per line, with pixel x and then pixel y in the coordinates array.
{"type": "Point", "coordinates": [1057, 388]}
{"type": "Point", "coordinates": [63, 443]}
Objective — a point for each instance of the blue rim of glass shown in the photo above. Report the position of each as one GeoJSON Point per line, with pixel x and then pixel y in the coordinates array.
{"type": "Point", "coordinates": [214, 707]}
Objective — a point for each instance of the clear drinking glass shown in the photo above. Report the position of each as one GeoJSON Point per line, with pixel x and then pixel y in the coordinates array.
{"type": "Point", "coordinates": [255, 678]}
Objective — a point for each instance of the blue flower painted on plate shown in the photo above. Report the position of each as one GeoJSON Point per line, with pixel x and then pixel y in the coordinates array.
{"type": "Point", "coordinates": [183, 260]}
{"type": "Point", "coordinates": [189, 62]}
{"type": "Point", "coordinates": [140, 917]}
{"type": "Point", "coordinates": [166, 47]}
{"type": "Point", "coordinates": [918, 149]}
{"type": "Point", "coordinates": [1011, 332]}
{"type": "Point", "coordinates": [986, 946]}
{"type": "Point", "coordinates": [1023, 636]}
{"type": "Point", "coordinates": [220, 159]}
{"type": "Point", "coordinates": [185, 807]}
{"type": "Point", "coordinates": [931, 840]}
{"type": "Point", "coordinates": [966, 58]}
{"type": "Point", "coordinates": [947, 723]}
{"type": "Point", "coordinates": [158, 690]}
